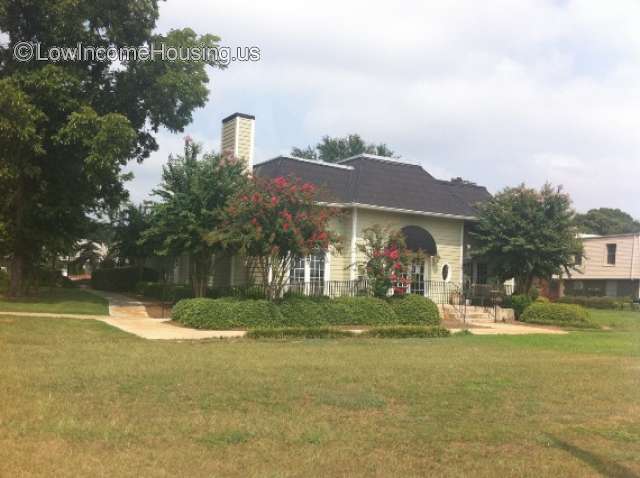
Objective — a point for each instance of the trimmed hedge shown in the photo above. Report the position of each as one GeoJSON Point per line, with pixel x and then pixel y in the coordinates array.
{"type": "Point", "coordinates": [415, 309]}
{"type": "Point", "coordinates": [563, 315]}
{"type": "Point", "coordinates": [299, 333]}
{"type": "Point", "coordinates": [304, 312]}
{"type": "Point", "coordinates": [322, 311]}
{"type": "Point", "coordinates": [361, 311]}
{"type": "Point", "coordinates": [399, 332]}
{"type": "Point", "coordinates": [406, 332]}
{"type": "Point", "coordinates": [121, 279]}
{"type": "Point", "coordinates": [595, 302]}
{"type": "Point", "coordinates": [221, 314]}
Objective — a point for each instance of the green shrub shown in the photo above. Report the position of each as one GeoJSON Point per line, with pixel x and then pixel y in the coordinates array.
{"type": "Point", "coordinates": [405, 332]}
{"type": "Point", "coordinates": [361, 311]}
{"type": "Point", "coordinates": [542, 299]}
{"type": "Point", "coordinates": [596, 302]}
{"type": "Point", "coordinates": [399, 332]}
{"type": "Point", "coordinates": [556, 314]}
{"type": "Point", "coordinates": [322, 311]}
{"type": "Point", "coordinates": [164, 292]}
{"type": "Point", "coordinates": [121, 279]}
{"type": "Point", "coordinates": [519, 303]}
{"type": "Point", "coordinates": [307, 312]}
{"type": "Point", "coordinates": [415, 309]}
{"type": "Point", "coordinates": [224, 314]}
{"type": "Point", "coordinates": [299, 332]}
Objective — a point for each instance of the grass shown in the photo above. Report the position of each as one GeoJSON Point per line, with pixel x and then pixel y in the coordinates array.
{"type": "Point", "coordinates": [82, 398]}
{"type": "Point", "coordinates": [57, 301]}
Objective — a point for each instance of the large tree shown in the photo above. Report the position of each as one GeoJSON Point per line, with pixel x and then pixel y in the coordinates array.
{"type": "Point", "coordinates": [527, 234]}
{"type": "Point", "coordinates": [67, 129]}
{"type": "Point", "coordinates": [335, 149]}
{"type": "Point", "coordinates": [604, 221]}
{"type": "Point", "coordinates": [192, 198]}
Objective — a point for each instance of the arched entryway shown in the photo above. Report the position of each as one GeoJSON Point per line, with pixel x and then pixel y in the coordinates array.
{"type": "Point", "coordinates": [419, 239]}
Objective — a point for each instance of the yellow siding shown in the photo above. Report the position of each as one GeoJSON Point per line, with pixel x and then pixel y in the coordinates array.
{"type": "Point", "coordinates": [340, 258]}
{"type": "Point", "coordinates": [229, 137]}
{"type": "Point", "coordinates": [245, 139]}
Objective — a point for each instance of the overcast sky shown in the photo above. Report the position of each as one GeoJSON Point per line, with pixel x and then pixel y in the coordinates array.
{"type": "Point", "coordinates": [499, 92]}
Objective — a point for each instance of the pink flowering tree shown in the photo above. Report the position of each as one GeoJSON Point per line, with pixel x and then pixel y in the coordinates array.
{"type": "Point", "coordinates": [386, 260]}
{"type": "Point", "coordinates": [272, 221]}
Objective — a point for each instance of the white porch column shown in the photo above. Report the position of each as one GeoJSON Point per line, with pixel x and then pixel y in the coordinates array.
{"type": "Point", "coordinates": [354, 245]}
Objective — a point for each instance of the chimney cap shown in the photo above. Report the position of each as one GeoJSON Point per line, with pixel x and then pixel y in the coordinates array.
{"type": "Point", "coordinates": [238, 115]}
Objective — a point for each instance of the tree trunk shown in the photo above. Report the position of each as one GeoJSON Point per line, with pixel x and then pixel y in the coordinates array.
{"type": "Point", "coordinates": [16, 277]}
{"type": "Point", "coordinates": [18, 262]}
{"type": "Point", "coordinates": [200, 269]}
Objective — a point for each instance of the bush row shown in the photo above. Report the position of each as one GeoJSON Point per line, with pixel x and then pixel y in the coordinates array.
{"type": "Point", "coordinates": [121, 279]}
{"type": "Point", "coordinates": [400, 332]}
{"type": "Point", "coordinates": [564, 315]}
{"type": "Point", "coordinates": [596, 302]}
{"type": "Point", "coordinates": [305, 312]}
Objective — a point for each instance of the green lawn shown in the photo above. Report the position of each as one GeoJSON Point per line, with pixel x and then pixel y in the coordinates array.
{"type": "Point", "coordinates": [79, 398]}
{"type": "Point", "coordinates": [58, 300]}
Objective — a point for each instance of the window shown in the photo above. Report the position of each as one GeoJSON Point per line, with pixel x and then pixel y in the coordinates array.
{"type": "Point", "coordinates": [296, 276]}
{"type": "Point", "coordinates": [316, 273]}
{"type": "Point", "coordinates": [446, 273]}
{"type": "Point", "coordinates": [611, 254]}
{"type": "Point", "coordinates": [578, 259]}
{"type": "Point", "coordinates": [316, 267]}
{"type": "Point", "coordinates": [417, 278]}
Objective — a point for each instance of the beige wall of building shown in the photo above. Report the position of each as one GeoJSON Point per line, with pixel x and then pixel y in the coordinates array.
{"type": "Point", "coordinates": [594, 263]}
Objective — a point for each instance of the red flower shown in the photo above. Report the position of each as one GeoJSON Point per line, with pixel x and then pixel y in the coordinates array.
{"type": "Point", "coordinates": [308, 188]}
{"type": "Point", "coordinates": [281, 182]}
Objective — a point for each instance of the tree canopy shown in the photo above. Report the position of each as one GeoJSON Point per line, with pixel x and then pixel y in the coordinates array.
{"type": "Point", "coordinates": [193, 195]}
{"type": "Point", "coordinates": [335, 149]}
{"type": "Point", "coordinates": [605, 221]}
{"type": "Point", "coordinates": [273, 221]}
{"type": "Point", "coordinates": [68, 129]}
{"type": "Point", "coordinates": [527, 234]}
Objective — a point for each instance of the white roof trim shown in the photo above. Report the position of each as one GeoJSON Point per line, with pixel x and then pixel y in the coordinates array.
{"type": "Point", "coordinates": [401, 211]}
{"type": "Point", "coordinates": [312, 161]}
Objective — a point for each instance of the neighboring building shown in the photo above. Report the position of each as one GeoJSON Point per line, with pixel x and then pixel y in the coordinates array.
{"type": "Point", "coordinates": [610, 267]}
{"type": "Point", "coordinates": [433, 214]}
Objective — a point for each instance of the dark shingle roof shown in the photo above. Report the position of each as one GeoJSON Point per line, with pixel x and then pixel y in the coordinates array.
{"type": "Point", "coordinates": [381, 182]}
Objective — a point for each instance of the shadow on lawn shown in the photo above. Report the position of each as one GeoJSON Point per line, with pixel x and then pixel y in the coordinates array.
{"type": "Point", "coordinates": [600, 464]}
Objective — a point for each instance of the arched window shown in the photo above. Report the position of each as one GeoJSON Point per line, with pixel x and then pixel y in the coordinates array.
{"type": "Point", "coordinates": [419, 239]}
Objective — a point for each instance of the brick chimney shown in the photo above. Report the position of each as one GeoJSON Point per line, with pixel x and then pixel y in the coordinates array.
{"type": "Point", "coordinates": [238, 137]}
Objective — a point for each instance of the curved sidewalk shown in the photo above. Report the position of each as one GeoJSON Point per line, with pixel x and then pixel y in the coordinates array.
{"type": "Point", "coordinates": [130, 315]}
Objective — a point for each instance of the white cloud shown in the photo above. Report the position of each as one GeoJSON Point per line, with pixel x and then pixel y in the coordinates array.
{"type": "Point", "coordinates": [499, 92]}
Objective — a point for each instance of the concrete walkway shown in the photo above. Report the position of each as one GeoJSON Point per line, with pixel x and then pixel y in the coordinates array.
{"type": "Point", "coordinates": [131, 316]}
